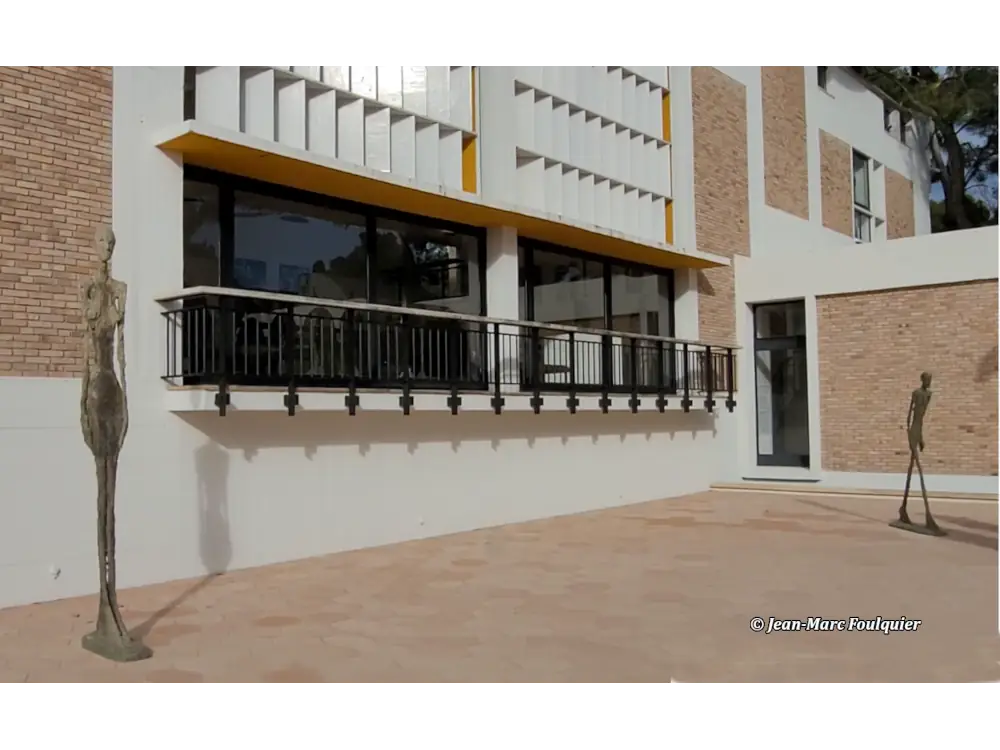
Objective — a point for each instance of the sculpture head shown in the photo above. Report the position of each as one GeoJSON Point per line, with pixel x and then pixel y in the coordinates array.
{"type": "Point", "coordinates": [925, 380]}
{"type": "Point", "coordinates": [104, 243]}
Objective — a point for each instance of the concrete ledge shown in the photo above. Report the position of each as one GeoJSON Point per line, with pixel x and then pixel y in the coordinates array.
{"type": "Point", "coordinates": [802, 488]}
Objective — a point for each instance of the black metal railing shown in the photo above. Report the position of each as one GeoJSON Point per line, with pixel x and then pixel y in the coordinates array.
{"type": "Point", "coordinates": [226, 337]}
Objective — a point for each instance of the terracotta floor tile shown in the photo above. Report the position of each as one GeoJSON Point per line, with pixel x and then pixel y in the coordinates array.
{"type": "Point", "coordinates": [644, 593]}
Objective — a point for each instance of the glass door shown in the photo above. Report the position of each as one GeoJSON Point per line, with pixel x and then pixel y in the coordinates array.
{"type": "Point", "coordinates": [782, 392]}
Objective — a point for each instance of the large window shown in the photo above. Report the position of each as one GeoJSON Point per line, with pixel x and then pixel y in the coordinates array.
{"type": "Point", "coordinates": [297, 248]}
{"type": "Point", "coordinates": [420, 266]}
{"type": "Point", "coordinates": [563, 287]}
{"type": "Point", "coordinates": [202, 236]}
{"type": "Point", "coordinates": [249, 235]}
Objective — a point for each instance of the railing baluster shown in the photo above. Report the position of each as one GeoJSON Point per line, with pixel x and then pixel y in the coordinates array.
{"type": "Point", "coordinates": [709, 380]}
{"type": "Point", "coordinates": [731, 380]}
{"type": "Point", "coordinates": [686, 371]}
{"type": "Point", "coordinates": [661, 395]}
{"type": "Point", "coordinates": [222, 399]}
{"type": "Point", "coordinates": [572, 402]}
{"type": "Point", "coordinates": [634, 401]}
{"type": "Point", "coordinates": [536, 371]}
{"type": "Point", "coordinates": [288, 354]}
{"type": "Point", "coordinates": [406, 400]}
{"type": "Point", "coordinates": [351, 356]}
{"type": "Point", "coordinates": [607, 372]}
{"type": "Point", "coordinates": [498, 400]}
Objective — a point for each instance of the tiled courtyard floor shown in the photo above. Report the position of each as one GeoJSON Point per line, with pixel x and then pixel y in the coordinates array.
{"type": "Point", "coordinates": [644, 593]}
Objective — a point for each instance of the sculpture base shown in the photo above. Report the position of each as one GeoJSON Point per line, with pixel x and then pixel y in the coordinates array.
{"type": "Point", "coordinates": [114, 648]}
{"type": "Point", "coordinates": [917, 529]}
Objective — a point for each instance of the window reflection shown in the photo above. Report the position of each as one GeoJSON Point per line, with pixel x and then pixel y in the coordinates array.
{"type": "Point", "coordinates": [201, 234]}
{"type": "Point", "coordinates": [566, 289]}
{"type": "Point", "coordinates": [417, 266]}
{"type": "Point", "coordinates": [640, 301]}
{"type": "Point", "coordinates": [297, 248]}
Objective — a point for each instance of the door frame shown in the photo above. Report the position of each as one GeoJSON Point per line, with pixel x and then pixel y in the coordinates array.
{"type": "Point", "coordinates": [778, 457]}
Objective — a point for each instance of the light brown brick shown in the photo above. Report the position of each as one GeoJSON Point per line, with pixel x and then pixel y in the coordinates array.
{"type": "Point", "coordinates": [55, 186]}
{"type": "Point", "coordinates": [722, 204]}
{"type": "Point", "coordinates": [872, 349]}
{"type": "Point", "coordinates": [835, 184]}
{"type": "Point", "coordinates": [786, 168]}
{"type": "Point", "coordinates": [899, 221]}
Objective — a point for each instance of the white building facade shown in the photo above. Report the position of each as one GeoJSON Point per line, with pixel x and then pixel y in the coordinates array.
{"type": "Point", "coordinates": [371, 304]}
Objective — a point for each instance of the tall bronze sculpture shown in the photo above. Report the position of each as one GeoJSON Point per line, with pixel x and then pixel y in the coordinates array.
{"type": "Point", "coordinates": [104, 420]}
{"type": "Point", "coordinates": [919, 401]}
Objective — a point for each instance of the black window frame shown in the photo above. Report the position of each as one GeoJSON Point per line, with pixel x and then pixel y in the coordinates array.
{"type": "Point", "coordinates": [228, 184]}
{"type": "Point", "coordinates": [822, 76]}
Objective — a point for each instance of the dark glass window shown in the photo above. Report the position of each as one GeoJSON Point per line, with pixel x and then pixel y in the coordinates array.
{"type": "Point", "coordinates": [250, 235]}
{"type": "Point", "coordinates": [576, 289]}
{"type": "Point", "coordinates": [428, 267]}
{"type": "Point", "coordinates": [298, 248]}
{"type": "Point", "coordinates": [202, 237]}
{"type": "Point", "coordinates": [567, 289]}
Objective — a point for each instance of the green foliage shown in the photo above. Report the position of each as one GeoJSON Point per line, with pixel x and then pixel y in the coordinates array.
{"type": "Point", "coordinates": [960, 104]}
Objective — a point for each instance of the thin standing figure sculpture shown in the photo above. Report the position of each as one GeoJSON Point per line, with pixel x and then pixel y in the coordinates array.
{"type": "Point", "coordinates": [919, 401]}
{"type": "Point", "coordinates": [104, 420]}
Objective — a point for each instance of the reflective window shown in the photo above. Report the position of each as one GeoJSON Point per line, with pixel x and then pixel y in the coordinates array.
{"type": "Point", "coordinates": [640, 300]}
{"type": "Point", "coordinates": [780, 320]}
{"type": "Point", "coordinates": [298, 248]}
{"type": "Point", "coordinates": [567, 289]}
{"type": "Point", "coordinates": [428, 267]}
{"type": "Point", "coordinates": [201, 234]}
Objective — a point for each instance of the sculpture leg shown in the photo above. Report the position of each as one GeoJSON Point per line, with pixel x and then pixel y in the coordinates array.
{"type": "Point", "coordinates": [103, 620]}
{"type": "Point", "coordinates": [111, 472]}
{"type": "Point", "coordinates": [904, 517]}
{"type": "Point", "coordinates": [110, 638]}
{"type": "Point", "coordinates": [929, 520]}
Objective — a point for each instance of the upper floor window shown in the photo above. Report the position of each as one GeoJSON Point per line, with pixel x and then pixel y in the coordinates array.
{"type": "Point", "coordinates": [861, 169]}
{"type": "Point", "coordinates": [821, 75]}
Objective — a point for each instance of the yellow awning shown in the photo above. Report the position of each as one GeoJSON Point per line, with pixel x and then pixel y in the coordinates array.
{"type": "Point", "coordinates": [236, 153]}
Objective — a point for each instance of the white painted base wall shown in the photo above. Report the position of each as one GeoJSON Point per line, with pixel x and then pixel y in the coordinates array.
{"type": "Point", "coordinates": [200, 493]}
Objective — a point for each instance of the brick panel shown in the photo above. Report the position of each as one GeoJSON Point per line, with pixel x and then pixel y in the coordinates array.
{"type": "Point", "coordinates": [786, 167]}
{"type": "Point", "coordinates": [835, 184]}
{"type": "Point", "coordinates": [899, 221]}
{"type": "Point", "coordinates": [55, 186]}
{"type": "Point", "coordinates": [722, 204]}
{"type": "Point", "coordinates": [872, 349]}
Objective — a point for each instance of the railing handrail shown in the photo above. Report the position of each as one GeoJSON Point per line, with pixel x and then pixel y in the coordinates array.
{"type": "Point", "coordinates": [302, 301]}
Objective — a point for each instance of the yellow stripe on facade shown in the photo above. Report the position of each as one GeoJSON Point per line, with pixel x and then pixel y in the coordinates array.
{"type": "Point", "coordinates": [470, 177]}
{"type": "Point", "coordinates": [666, 116]}
{"type": "Point", "coordinates": [212, 152]}
{"type": "Point", "coordinates": [668, 222]}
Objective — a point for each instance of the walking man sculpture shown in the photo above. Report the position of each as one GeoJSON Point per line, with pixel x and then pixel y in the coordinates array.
{"type": "Point", "coordinates": [919, 401]}
{"type": "Point", "coordinates": [104, 420]}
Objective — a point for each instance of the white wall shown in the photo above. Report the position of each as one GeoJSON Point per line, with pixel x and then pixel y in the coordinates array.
{"type": "Point", "coordinates": [200, 493]}
{"type": "Point", "coordinates": [789, 274]}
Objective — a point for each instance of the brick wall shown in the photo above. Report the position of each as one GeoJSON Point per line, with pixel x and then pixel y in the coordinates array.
{"type": "Point", "coordinates": [835, 184]}
{"type": "Point", "coordinates": [786, 169]}
{"type": "Point", "coordinates": [722, 205]}
{"type": "Point", "coordinates": [55, 186]}
{"type": "Point", "coordinates": [899, 220]}
{"type": "Point", "coordinates": [872, 349]}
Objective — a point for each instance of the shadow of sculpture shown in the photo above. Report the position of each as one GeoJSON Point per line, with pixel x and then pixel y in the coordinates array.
{"type": "Point", "coordinates": [143, 630]}
{"type": "Point", "coordinates": [214, 542]}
